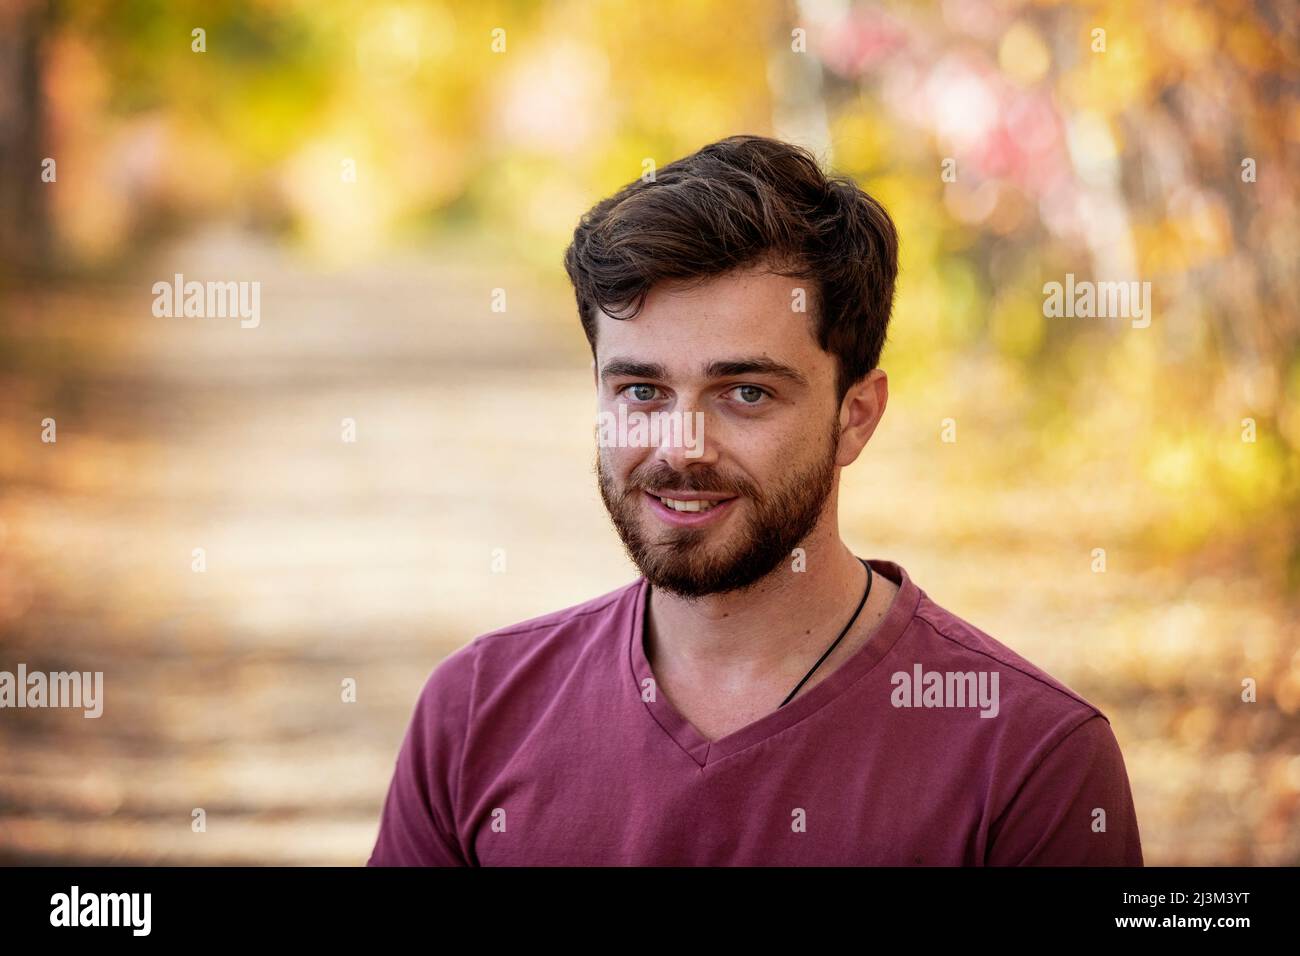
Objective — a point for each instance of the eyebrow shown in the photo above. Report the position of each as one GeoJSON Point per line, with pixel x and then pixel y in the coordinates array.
{"type": "Point", "coordinates": [729, 368]}
{"type": "Point", "coordinates": [627, 368]}
{"type": "Point", "coordinates": [754, 366]}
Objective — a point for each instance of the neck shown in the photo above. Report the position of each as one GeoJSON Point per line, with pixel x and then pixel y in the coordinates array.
{"type": "Point", "coordinates": [779, 625]}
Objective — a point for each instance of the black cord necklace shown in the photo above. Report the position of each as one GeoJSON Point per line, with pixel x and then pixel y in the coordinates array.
{"type": "Point", "coordinates": [645, 629]}
{"type": "Point", "coordinates": [861, 605]}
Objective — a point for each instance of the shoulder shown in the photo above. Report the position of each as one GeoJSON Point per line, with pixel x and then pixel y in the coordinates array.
{"type": "Point", "coordinates": [1048, 746]}
{"type": "Point", "coordinates": [557, 638]}
{"type": "Point", "coordinates": [598, 611]}
{"type": "Point", "coordinates": [1030, 700]}
{"type": "Point", "coordinates": [563, 633]}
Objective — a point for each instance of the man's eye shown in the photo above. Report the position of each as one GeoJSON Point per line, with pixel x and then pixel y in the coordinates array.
{"type": "Point", "coordinates": [749, 394]}
{"type": "Point", "coordinates": [640, 392]}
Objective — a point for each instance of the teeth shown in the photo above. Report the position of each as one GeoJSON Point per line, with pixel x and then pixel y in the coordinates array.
{"type": "Point", "coordinates": [687, 505]}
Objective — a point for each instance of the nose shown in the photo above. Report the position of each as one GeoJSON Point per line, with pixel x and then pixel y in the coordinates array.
{"type": "Point", "coordinates": [684, 440]}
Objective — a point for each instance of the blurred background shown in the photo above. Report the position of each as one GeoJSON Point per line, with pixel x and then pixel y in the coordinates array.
{"type": "Point", "coordinates": [380, 168]}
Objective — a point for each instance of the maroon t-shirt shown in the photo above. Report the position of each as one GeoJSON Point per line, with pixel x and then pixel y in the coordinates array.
{"type": "Point", "coordinates": [545, 743]}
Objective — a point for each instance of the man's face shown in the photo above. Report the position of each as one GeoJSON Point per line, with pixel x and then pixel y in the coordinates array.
{"type": "Point", "coordinates": [748, 490]}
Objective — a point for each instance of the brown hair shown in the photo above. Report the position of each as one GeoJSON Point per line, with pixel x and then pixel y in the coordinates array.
{"type": "Point", "coordinates": [736, 203]}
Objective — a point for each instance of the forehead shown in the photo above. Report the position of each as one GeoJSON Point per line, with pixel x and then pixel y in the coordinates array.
{"type": "Point", "coordinates": [683, 326]}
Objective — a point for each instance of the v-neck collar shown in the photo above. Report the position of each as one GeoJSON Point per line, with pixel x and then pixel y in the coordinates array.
{"type": "Point", "coordinates": [706, 752]}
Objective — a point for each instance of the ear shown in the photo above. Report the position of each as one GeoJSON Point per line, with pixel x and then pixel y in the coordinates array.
{"type": "Point", "coordinates": [860, 413]}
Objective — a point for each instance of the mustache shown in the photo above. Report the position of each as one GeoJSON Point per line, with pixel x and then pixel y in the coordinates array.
{"type": "Point", "coordinates": [661, 477]}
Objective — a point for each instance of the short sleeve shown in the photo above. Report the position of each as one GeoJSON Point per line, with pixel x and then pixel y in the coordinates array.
{"type": "Point", "coordinates": [418, 823]}
{"type": "Point", "coordinates": [1074, 809]}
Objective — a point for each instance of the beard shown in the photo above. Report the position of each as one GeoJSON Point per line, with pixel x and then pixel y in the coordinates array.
{"type": "Point", "coordinates": [685, 561]}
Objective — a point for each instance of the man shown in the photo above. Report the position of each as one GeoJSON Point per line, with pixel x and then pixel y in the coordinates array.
{"type": "Point", "coordinates": [760, 696]}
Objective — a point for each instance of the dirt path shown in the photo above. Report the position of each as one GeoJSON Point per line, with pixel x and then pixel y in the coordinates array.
{"type": "Point", "coordinates": [328, 560]}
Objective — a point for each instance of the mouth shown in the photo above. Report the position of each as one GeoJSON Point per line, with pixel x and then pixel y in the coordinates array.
{"type": "Point", "coordinates": [689, 508]}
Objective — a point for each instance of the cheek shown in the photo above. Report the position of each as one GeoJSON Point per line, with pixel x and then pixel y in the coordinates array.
{"type": "Point", "coordinates": [619, 462]}
{"type": "Point", "coordinates": [765, 454]}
